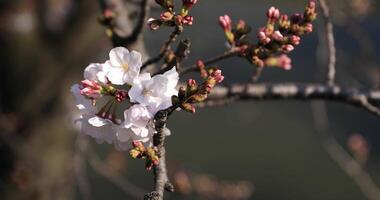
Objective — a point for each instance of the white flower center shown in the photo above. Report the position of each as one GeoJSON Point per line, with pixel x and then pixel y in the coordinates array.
{"type": "Point", "coordinates": [147, 92]}
{"type": "Point", "coordinates": [125, 66]}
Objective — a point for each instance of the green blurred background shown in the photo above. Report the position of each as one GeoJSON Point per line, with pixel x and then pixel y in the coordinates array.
{"type": "Point", "coordinates": [272, 146]}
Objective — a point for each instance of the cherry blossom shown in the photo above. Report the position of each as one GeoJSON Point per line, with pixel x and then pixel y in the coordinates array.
{"type": "Point", "coordinates": [155, 92]}
{"type": "Point", "coordinates": [123, 66]}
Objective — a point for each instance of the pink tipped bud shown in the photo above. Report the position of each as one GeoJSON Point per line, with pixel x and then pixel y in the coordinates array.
{"type": "Point", "coordinates": [188, 4]}
{"type": "Point", "coordinates": [273, 14]}
{"type": "Point", "coordinates": [277, 36]}
{"type": "Point", "coordinates": [108, 13]}
{"type": "Point", "coordinates": [208, 87]}
{"type": "Point", "coordinates": [154, 24]}
{"type": "Point", "coordinates": [241, 25]}
{"type": "Point", "coordinates": [263, 37]}
{"type": "Point", "coordinates": [217, 75]}
{"type": "Point", "coordinates": [91, 89]}
{"type": "Point", "coordinates": [309, 28]}
{"type": "Point", "coordinates": [311, 4]}
{"type": "Point", "coordinates": [284, 18]}
{"type": "Point", "coordinates": [166, 16]}
{"type": "Point", "coordinates": [284, 62]}
{"type": "Point", "coordinates": [188, 20]}
{"type": "Point", "coordinates": [192, 83]}
{"type": "Point", "coordinates": [295, 40]}
{"type": "Point", "coordinates": [91, 84]}
{"type": "Point", "coordinates": [137, 143]}
{"type": "Point", "coordinates": [225, 22]}
{"type": "Point", "coordinates": [287, 48]}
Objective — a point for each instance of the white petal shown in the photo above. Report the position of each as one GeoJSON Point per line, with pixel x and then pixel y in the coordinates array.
{"type": "Point", "coordinates": [135, 61]}
{"type": "Point", "coordinates": [97, 121]}
{"type": "Point", "coordinates": [124, 134]}
{"type": "Point", "coordinates": [118, 55]}
{"type": "Point", "coordinates": [116, 76]}
{"type": "Point", "coordinates": [90, 73]}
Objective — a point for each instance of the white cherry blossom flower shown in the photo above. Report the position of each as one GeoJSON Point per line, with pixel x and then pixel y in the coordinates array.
{"type": "Point", "coordinates": [123, 66]}
{"type": "Point", "coordinates": [156, 92]}
{"type": "Point", "coordinates": [137, 118]}
{"type": "Point", "coordinates": [96, 72]}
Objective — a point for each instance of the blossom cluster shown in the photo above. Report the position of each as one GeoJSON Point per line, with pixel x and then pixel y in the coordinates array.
{"type": "Point", "coordinates": [169, 17]}
{"type": "Point", "coordinates": [195, 93]}
{"type": "Point", "coordinates": [276, 39]}
{"type": "Point", "coordinates": [118, 83]}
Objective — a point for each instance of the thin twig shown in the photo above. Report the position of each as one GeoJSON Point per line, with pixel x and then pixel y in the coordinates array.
{"type": "Point", "coordinates": [212, 60]}
{"type": "Point", "coordinates": [348, 164]}
{"type": "Point", "coordinates": [80, 167]}
{"type": "Point", "coordinates": [330, 42]}
{"type": "Point", "coordinates": [165, 47]}
{"type": "Point", "coordinates": [114, 177]}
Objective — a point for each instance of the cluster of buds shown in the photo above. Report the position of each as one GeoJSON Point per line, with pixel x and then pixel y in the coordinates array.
{"type": "Point", "coordinates": [193, 93]}
{"type": "Point", "coordinates": [169, 18]}
{"type": "Point", "coordinates": [142, 152]}
{"type": "Point", "coordinates": [277, 38]}
{"type": "Point", "coordinates": [94, 90]}
{"type": "Point", "coordinates": [280, 36]}
{"type": "Point", "coordinates": [236, 34]}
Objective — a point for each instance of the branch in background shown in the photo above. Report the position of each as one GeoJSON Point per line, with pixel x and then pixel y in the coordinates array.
{"type": "Point", "coordinates": [298, 91]}
{"type": "Point", "coordinates": [114, 177]}
{"type": "Point", "coordinates": [348, 164]}
{"type": "Point", "coordinates": [80, 167]}
{"type": "Point", "coordinates": [165, 47]}
{"type": "Point", "coordinates": [330, 42]}
{"type": "Point", "coordinates": [119, 27]}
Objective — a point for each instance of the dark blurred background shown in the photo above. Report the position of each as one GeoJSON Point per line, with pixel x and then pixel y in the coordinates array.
{"type": "Point", "coordinates": [244, 150]}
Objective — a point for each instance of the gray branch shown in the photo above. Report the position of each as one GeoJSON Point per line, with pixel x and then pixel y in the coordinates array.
{"type": "Point", "coordinates": [366, 99]}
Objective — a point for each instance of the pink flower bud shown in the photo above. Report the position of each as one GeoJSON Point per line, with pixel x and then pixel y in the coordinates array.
{"type": "Point", "coordinates": [277, 36]}
{"type": "Point", "coordinates": [192, 83]}
{"type": "Point", "coordinates": [188, 4]}
{"type": "Point", "coordinates": [309, 28]}
{"type": "Point", "coordinates": [217, 75]}
{"type": "Point", "coordinates": [137, 143]}
{"type": "Point", "coordinates": [284, 62]}
{"type": "Point", "coordinates": [188, 20]}
{"type": "Point", "coordinates": [154, 24]}
{"type": "Point", "coordinates": [273, 14]}
{"type": "Point", "coordinates": [311, 4]}
{"type": "Point", "coordinates": [166, 16]}
{"type": "Point", "coordinates": [91, 84]}
{"type": "Point", "coordinates": [287, 48]}
{"type": "Point", "coordinates": [263, 37]}
{"type": "Point", "coordinates": [295, 40]}
{"type": "Point", "coordinates": [284, 18]}
{"type": "Point", "coordinates": [225, 22]}
{"type": "Point", "coordinates": [241, 25]}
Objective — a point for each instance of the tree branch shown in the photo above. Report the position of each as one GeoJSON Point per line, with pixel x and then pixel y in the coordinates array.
{"type": "Point", "coordinates": [297, 91]}
{"type": "Point", "coordinates": [212, 60]}
{"type": "Point", "coordinates": [330, 42]}
{"type": "Point", "coordinates": [161, 180]}
{"type": "Point", "coordinates": [165, 48]}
